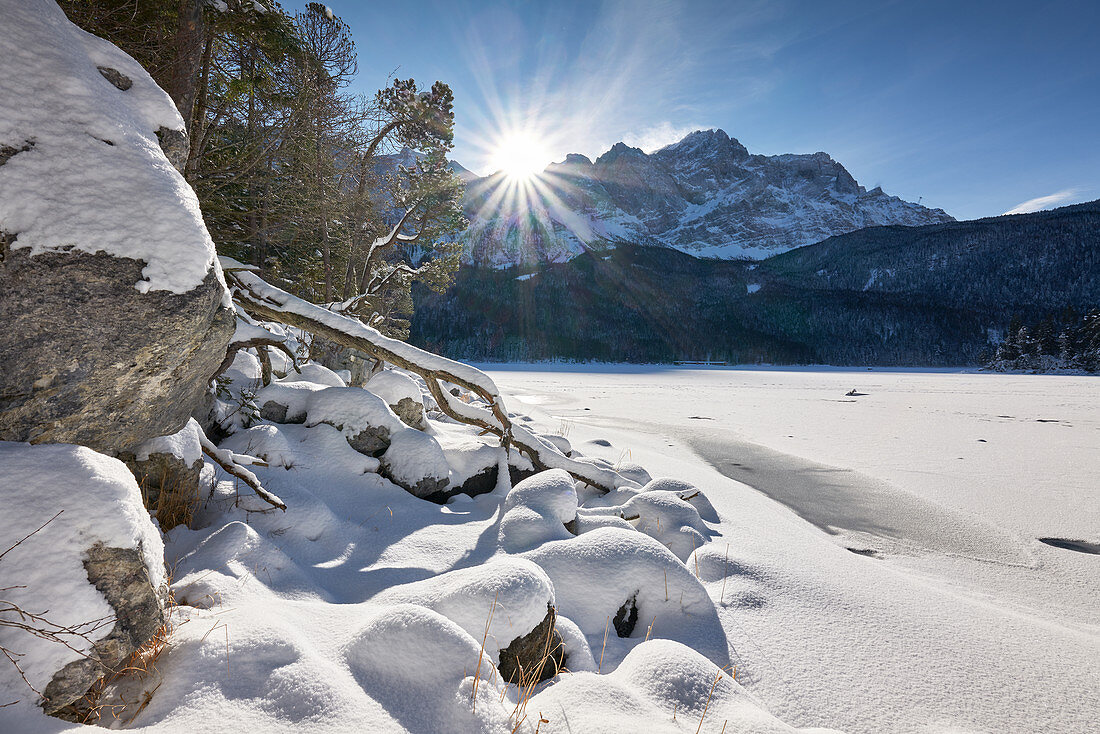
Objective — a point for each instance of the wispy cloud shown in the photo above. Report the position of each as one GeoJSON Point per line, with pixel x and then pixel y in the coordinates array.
{"type": "Point", "coordinates": [1044, 202]}
{"type": "Point", "coordinates": [658, 136]}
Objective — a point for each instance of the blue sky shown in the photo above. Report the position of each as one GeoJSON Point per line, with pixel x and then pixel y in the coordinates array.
{"type": "Point", "coordinates": [975, 107]}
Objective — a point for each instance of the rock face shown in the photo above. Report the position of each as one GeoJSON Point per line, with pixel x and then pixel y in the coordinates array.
{"type": "Point", "coordinates": [96, 362]}
{"type": "Point", "coordinates": [115, 312]}
{"type": "Point", "coordinates": [705, 195]}
{"type": "Point", "coordinates": [121, 576]}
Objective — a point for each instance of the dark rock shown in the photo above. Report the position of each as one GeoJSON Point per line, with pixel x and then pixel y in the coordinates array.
{"type": "Point", "coordinates": [537, 655]}
{"type": "Point", "coordinates": [371, 441]}
{"type": "Point", "coordinates": [121, 576]}
{"type": "Point", "coordinates": [411, 412]}
{"type": "Point", "coordinates": [91, 360]}
{"type": "Point", "coordinates": [426, 488]}
{"type": "Point", "coordinates": [276, 413]}
{"type": "Point", "coordinates": [175, 145]}
{"type": "Point", "coordinates": [116, 77]}
{"type": "Point", "coordinates": [7, 152]}
{"type": "Point", "coordinates": [627, 617]}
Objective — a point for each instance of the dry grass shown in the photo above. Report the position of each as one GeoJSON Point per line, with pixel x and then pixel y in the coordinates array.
{"type": "Point", "coordinates": [530, 679]}
{"type": "Point", "coordinates": [481, 652]}
{"type": "Point", "coordinates": [171, 501]}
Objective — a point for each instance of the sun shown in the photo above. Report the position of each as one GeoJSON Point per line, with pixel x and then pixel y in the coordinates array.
{"type": "Point", "coordinates": [519, 156]}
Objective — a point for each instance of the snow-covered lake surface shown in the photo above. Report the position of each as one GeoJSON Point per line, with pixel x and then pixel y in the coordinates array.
{"type": "Point", "coordinates": [893, 577]}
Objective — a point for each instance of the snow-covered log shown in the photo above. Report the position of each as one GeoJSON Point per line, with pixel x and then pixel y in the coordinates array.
{"type": "Point", "coordinates": [264, 301]}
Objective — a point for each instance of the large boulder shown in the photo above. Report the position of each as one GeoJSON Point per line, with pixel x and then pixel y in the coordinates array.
{"type": "Point", "coordinates": [114, 308]}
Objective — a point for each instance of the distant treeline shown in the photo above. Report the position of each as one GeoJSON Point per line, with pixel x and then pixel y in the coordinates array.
{"type": "Point", "coordinates": [1050, 345]}
{"type": "Point", "coordinates": [935, 295]}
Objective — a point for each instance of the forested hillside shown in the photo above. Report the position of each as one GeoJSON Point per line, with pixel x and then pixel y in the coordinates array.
{"type": "Point", "coordinates": [933, 295]}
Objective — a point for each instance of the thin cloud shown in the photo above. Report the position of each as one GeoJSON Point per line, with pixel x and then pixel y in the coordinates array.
{"type": "Point", "coordinates": [658, 136]}
{"type": "Point", "coordinates": [1044, 202]}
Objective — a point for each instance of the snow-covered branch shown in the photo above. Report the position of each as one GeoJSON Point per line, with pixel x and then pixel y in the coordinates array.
{"type": "Point", "coordinates": [264, 301]}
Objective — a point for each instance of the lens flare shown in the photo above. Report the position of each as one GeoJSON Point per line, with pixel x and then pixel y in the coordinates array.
{"type": "Point", "coordinates": [519, 156]}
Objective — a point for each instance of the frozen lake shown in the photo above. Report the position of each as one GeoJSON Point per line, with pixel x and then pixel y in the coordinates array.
{"type": "Point", "coordinates": [949, 613]}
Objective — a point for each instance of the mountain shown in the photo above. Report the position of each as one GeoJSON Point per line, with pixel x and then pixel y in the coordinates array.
{"type": "Point", "coordinates": [705, 195]}
{"type": "Point", "coordinates": [935, 295]}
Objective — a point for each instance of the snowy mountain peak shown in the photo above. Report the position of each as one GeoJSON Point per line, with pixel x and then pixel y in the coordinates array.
{"type": "Point", "coordinates": [705, 195]}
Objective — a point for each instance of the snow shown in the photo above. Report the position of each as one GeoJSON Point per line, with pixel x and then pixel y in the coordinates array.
{"type": "Point", "coordinates": [392, 386]}
{"type": "Point", "coordinates": [752, 287]}
{"type": "Point", "coordinates": [351, 410]}
{"type": "Point", "coordinates": [185, 444]}
{"type": "Point", "coordinates": [95, 179]}
{"type": "Point", "coordinates": [961, 620]}
{"type": "Point", "coordinates": [661, 686]}
{"type": "Point", "coordinates": [313, 372]}
{"type": "Point", "coordinates": [365, 608]}
{"type": "Point", "coordinates": [99, 502]}
{"type": "Point", "coordinates": [536, 510]}
{"type": "Point", "coordinates": [413, 456]}
{"type": "Point", "coordinates": [595, 573]}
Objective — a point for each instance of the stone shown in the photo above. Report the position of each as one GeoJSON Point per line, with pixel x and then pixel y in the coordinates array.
{"type": "Point", "coordinates": [541, 650]}
{"type": "Point", "coordinates": [276, 413]}
{"type": "Point", "coordinates": [93, 361]}
{"type": "Point", "coordinates": [411, 412]}
{"type": "Point", "coordinates": [627, 617]}
{"type": "Point", "coordinates": [371, 441]}
{"type": "Point", "coordinates": [121, 576]}
{"type": "Point", "coordinates": [415, 462]}
{"type": "Point", "coordinates": [116, 77]}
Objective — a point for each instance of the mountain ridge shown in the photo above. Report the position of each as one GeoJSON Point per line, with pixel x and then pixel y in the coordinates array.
{"type": "Point", "coordinates": [934, 295]}
{"type": "Point", "coordinates": [705, 195]}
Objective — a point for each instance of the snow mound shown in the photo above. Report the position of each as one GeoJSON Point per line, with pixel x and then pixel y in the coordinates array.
{"type": "Point", "coordinates": [99, 502]}
{"type": "Point", "coordinates": [313, 372]}
{"type": "Point", "coordinates": [687, 492]}
{"type": "Point", "coordinates": [292, 393]}
{"type": "Point", "coordinates": [597, 574]}
{"type": "Point", "coordinates": [674, 523]}
{"type": "Point", "coordinates": [415, 460]}
{"type": "Point", "coordinates": [352, 410]}
{"type": "Point", "coordinates": [419, 666]}
{"type": "Point", "coordinates": [91, 176]}
{"type": "Point", "coordinates": [661, 686]}
{"type": "Point", "coordinates": [516, 591]}
{"type": "Point", "coordinates": [536, 510]}
{"type": "Point", "coordinates": [392, 386]}
{"type": "Point", "coordinates": [300, 447]}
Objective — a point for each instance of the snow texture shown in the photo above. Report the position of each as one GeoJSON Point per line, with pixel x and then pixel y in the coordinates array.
{"type": "Point", "coordinates": [94, 178]}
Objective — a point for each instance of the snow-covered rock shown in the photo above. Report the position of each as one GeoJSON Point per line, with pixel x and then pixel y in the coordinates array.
{"type": "Point", "coordinates": [95, 572]}
{"type": "Point", "coordinates": [113, 299]}
{"type": "Point", "coordinates": [363, 417]}
{"type": "Point", "coordinates": [538, 510]}
{"type": "Point", "coordinates": [168, 470]}
{"type": "Point", "coordinates": [415, 461]}
{"type": "Point", "coordinates": [402, 394]}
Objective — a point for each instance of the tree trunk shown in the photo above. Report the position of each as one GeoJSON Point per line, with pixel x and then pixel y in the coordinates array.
{"type": "Point", "coordinates": [183, 77]}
